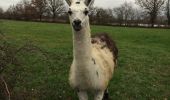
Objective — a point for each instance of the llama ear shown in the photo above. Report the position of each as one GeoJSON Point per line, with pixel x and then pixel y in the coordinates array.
{"type": "Point", "coordinates": [68, 2]}
{"type": "Point", "coordinates": [89, 2]}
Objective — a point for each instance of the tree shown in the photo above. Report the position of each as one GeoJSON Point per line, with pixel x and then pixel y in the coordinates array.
{"type": "Point", "coordinates": [152, 7]}
{"type": "Point", "coordinates": [124, 13]}
{"type": "Point", "coordinates": [111, 18]}
{"type": "Point", "coordinates": [40, 7]}
{"type": "Point", "coordinates": [128, 12]}
{"type": "Point", "coordinates": [55, 7]}
{"type": "Point", "coordinates": [103, 16]}
{"type": "Point", "coordinates": [23, 10]}
{"type": "Point", "coordinates": [119, 11]}
{"type": "Point", "coordinates": [16, 11]}
{"type": "Point", "coordinates": [1, 12]}
{"type": "Point", "coordinates": [28, 11]}
{"type": "Point", "coordinates": [138, 17]}
{"type": "Point", "coordinates": [92, 14]}
{"type": "Point", "coordinates": [12, 12]}
{"type": "Point", "coordinates": [168, 11]}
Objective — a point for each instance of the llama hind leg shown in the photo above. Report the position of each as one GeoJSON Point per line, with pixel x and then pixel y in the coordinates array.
{"type": "Point", "coordinates": [106, 95]}
{"type": "Point", "coordinates": [98, 95]}
{"type": "Point", "coordinates": [82, 95]}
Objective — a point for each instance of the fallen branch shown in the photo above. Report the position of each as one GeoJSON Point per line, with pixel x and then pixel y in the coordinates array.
{"type": "Point", "coordinates": [6, 88]}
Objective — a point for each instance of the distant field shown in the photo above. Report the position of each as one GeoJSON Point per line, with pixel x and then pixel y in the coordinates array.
{"type": "Point", "coordinates": [143, 71]}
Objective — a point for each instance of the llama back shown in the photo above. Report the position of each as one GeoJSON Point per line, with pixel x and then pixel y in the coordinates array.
{"type": "Point", "coordinates": [103, 41]}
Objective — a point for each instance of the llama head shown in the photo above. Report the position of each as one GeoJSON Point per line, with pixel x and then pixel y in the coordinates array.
{"type": "Point", "coordinates": [78, 13]}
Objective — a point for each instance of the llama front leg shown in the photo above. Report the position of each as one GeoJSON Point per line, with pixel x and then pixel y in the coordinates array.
{"type": "Point", "coordinates": [98, 95]}
{"type": "Point", "coordinates": [82, 95]}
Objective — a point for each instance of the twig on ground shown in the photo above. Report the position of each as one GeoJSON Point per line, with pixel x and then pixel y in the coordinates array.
{"type": "Point", "coordinates": [6, 87]}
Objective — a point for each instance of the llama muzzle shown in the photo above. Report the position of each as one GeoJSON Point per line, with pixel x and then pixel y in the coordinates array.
{"type": "Point", "coordinates": [77, 25]}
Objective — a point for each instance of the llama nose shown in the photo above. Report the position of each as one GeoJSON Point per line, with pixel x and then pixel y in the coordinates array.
{"type": "Point", "coordinates": [77, 22]}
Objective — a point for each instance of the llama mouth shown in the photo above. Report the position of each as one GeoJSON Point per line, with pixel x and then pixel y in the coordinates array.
{"type": "Point", "coordinates": [77, 27]}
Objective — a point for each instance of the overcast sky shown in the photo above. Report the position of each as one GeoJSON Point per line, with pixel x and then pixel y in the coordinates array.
{"type": "Point", "coordinates": [101, 3]}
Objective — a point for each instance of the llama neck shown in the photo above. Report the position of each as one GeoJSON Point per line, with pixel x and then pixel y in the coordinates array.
{"type": "Point", "coordinates": [82, 46]}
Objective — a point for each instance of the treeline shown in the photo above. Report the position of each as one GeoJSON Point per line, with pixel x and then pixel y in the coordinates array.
{"type": "Point", "coordinates": [35, 10]}
{"type": "Point", "coordinates": [150, 13]}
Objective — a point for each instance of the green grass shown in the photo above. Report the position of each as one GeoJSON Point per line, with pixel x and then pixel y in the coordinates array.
{"type": "Point", "coordinates": [143, 70]}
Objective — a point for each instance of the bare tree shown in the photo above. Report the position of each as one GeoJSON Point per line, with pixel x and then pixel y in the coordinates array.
{"type": "Point", "coordinates": [138, 17]}
{"type": "Point", "coordinates": [20, 9]}
{"type": "Point", "coordinates": [152, 7]}
{"type": "Point", "coordinates": [1, 12]}
{"type": "Point", "coordinates": [27, 9]}
{"type": "Point", "coordinates": [55, 7]}
{"type": "Point", "coordinates": [119, 11]}
{"type": "Point", "coordinates": [23, 10]}
{"type": "Point", "coordinates": [40, 6]}
{"type": "Point", "coordinates": [128, 12]}
{"type": "Point", "coordinates": [7, 13]}
{"type": "Point", "coordinates": [124, 13]}
{"type": "Point", "coordinates": [168, 11]}
{"type": "Point", "coordinates": [92, 14]}
{"type": "Point", "coordinates": [111, 18]}
{"type": "Point", "coordinates": [13, 12]}
{"type": "Point", "coordinates": [103, 16]}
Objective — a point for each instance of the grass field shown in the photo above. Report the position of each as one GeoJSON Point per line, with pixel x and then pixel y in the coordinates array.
{"type": "Point", "coordinates": [143, 71]}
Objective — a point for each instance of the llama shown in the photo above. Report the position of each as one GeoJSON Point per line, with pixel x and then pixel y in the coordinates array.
{"type": "Point", "coordinates": [94, 58]}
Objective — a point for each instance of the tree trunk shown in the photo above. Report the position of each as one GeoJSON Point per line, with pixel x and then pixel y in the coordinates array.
{"type": "Point", "coordinates": [169, 21]}
{"type": "Point", "coordinates": [153, 15]}
{"type": "Point", "coordinates": [168, 12]}
{"type": "Point", "coordinates": [152, 20]}
{"type": "Point", "coordinates": [40, 17]}
{"type": "Point", "coordinates": [54, 15]}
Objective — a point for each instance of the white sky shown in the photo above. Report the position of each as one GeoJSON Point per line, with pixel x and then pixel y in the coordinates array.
{"type": "Point", "coordinates": [101, 3]}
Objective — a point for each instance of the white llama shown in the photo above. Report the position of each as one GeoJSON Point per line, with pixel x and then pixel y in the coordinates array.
{"type": "Point", "coordinates": [94, 58]}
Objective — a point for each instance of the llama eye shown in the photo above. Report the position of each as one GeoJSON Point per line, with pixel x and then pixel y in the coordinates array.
{"type": "Point", "coordinates": [86, 12]}
{"type": "Point", "coordinates": [70, 12]}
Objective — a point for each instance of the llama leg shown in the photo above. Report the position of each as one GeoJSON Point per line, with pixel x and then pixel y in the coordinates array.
{"type": "Point", "coordinates": [98, 95]}
{"type": "Point", "coordinates": [106, 95]}
{"type": "Point", "coordinates": [82, 95]}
